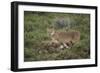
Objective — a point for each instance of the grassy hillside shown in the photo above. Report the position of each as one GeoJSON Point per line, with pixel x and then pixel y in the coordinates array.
{"type": "Point", "coordinates": [35, 32]}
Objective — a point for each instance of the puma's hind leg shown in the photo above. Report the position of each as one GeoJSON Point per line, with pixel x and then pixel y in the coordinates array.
{"type": "Point", "coordinates": [65, 45]}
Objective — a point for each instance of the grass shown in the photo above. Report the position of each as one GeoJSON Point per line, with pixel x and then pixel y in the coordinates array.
{"type": "Point", "coordinates": [35, 25]}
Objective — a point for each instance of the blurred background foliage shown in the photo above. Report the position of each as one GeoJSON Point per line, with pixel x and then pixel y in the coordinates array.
{"type": "Point", "coordinates": [35, 31]}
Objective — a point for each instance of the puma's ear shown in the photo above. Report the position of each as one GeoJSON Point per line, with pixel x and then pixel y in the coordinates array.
{"type": "Point", "coordinates": [50, 30]}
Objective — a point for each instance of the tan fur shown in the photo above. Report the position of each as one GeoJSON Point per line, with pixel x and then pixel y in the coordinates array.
{"type": "Point", "coordinates": [64, 37]}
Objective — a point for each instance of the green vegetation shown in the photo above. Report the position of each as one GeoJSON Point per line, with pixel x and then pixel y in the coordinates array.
{"type": "Point", "coordinates": [35, 32]}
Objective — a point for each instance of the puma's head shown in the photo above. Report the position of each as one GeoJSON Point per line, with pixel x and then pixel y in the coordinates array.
{"type": "Point", "coordinates": [51, 31]}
